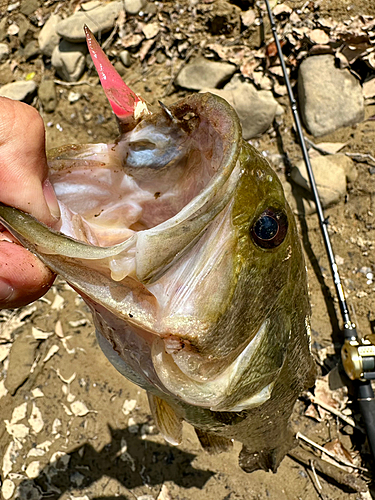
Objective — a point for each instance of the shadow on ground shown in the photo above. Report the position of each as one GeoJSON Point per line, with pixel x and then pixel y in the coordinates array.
{"type": "Point", "coordinates": [133, 462]}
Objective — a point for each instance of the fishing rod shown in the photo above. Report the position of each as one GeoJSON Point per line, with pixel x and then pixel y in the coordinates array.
{"type": "Point", "coordinates": [357, 354]}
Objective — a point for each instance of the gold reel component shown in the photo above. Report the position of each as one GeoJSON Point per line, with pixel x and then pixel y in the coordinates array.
{"type": "Point", "coordinates": [358, 358]}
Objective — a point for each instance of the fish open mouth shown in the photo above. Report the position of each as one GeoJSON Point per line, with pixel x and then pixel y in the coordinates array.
{"type": "Point", "coordinates": [168, 172]}
{"type": "Point", "coordinates": [146, 232]}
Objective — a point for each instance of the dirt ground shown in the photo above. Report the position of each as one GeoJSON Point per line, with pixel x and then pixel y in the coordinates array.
{"type": "Point", "coordinates": [90, 432]}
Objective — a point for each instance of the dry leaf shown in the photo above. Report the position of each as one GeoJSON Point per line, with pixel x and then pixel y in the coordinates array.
{"type": "Point", "coordinates": [58, 302]}
{"type": "Point", "coordinates": [36, 420]}
{"type": "Point", "coordinates": [79, 322]}
{"type": "Point", "coordinates": [59, 329]}
{"type": "Point", "coordinates": [337, 399]}
{"type": "Point", "coordinates": [11, 452]}
{"type": "Point", "coordinates": [164, 494]}
{"type": "Point", "coordinates": [3, 389]}
{"type": "Point", "coordinates": [56, 426]}
{"type": "Point", "coordinates": [339, 451]}
{"type": "Point", "coordinates": [33, 470]}
{"type": "Point", "coordinates": [7, 489]}
{"type": "Point", "coordinates": [311, 412]}
{"type": "Point", "coordinates": [128, 406]}
{"type": "Point", "coordinates": [79, 409]}
{"type": "Point", "coordinates": [19, 413]}
{"type": "Point", "coordinates": [36, 452]}
{"type": "Point", "coordinates": [53, 350]}
{"type": "Point", "coordinates": [18, 431]}
{"type": "Point", "coordinates": [39, 334]}
{"type": "Point", "coordinates": [143, 51]}
{"type": "Point", "coordinates": [131, 40]}
{"type": "Point", "coordinates": [37, 393]}
{"type": "Point", "coordinates": [66, 380]}
{"type": "Point", "coordinates": [248, 67]}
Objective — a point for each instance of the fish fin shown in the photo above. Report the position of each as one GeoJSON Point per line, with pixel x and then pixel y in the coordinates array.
{"type": "Point", "coordinates": [166, 419]}
{"type": "Point", "coordinates": [268, 459]}
{"type": "Point", "coordinates": [213, 443]}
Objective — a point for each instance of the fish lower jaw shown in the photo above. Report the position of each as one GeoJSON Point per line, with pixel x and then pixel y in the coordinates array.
{"type": "Point", "coordinates": [221, 393]}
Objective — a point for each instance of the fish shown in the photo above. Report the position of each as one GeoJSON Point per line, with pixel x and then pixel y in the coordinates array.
{"type": "Point", "coordinates": [180, 240]}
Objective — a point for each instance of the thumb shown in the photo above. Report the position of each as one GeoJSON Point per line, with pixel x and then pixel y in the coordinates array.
{"type": "Point", "coordinates": [23, 163]}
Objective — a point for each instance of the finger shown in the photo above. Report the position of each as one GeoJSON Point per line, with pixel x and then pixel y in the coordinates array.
{"type": "Point", "coordinates": [23, 277]}
{"type": "Point", "coordinates": [23, 163]}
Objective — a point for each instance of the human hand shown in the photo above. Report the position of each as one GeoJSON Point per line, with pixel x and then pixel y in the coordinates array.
{"type": "Point", "coordinates": [24, 185]}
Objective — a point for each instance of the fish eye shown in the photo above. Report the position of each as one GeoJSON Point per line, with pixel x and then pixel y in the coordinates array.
{"type": "Point", "coordinates": [270, 229]}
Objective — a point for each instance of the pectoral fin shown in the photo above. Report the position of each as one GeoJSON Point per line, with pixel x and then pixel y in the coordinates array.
{"type": "Point", "coordinates": [166, 419]}
{"type": "Point", "coordinates": [213, 443]}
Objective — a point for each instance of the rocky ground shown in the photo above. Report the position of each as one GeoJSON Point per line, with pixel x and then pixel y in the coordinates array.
{"type": "Point", "coordinates": [71, 426]}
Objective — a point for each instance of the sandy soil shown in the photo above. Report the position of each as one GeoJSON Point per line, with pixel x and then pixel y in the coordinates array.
{"type": "Point", "coordinates": [90, 429]}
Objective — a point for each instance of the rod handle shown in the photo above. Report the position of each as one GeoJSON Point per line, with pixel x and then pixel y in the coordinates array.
{"type": "Point", "coordinates": [366, 403]}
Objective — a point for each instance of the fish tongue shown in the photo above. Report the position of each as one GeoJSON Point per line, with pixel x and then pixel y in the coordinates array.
{"type": "Point", "coordinates": [126, 104]}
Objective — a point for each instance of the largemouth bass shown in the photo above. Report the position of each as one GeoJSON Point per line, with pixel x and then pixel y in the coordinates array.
{"type": "Point", "coordinates": [179, 238]}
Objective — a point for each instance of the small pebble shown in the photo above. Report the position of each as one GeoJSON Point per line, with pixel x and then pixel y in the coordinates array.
{"type": "Point", "coordinates": [126, 58]}
{"type": "Point", "coordinates": [19, 91]}
{"type": "Point", "coordinates": [74, 96]}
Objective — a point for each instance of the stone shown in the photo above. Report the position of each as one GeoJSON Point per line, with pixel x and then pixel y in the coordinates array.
{"type": "Point", "coordinates": [125, 58]}
{"type": "Point", "coordinates": [256, 109]}
{"type": "Point", "coordinates": [19, 91]}
{"type": "Point", "coordinates": [331, 173]}
{"type": "Point", "coordinates": [3, 28]}
{"type": "Point", "coordinates": [99, 20]}
{"type": "Point", "coordinates": [48, 39]}
{"type": "Point", "coordinates": [69, 60]}
{"type": "Point", "coordinates": [31, 50]}
{"type": "Point", "coordinates": [24, 26]}
{"type": "Point", "coordinates": [4, 52]}
{"type": "Point", "coordinates": [120, 68]}
{"type": "Point", "coordinates": [329, 97]}
{"type": "Point", "coordinates": [6, 74]}
{"type": "Point", "coordinates": [202, 73]}
{"type": "Point", "coordinates": [134, 6]}
{"type": "Point", "coordinates": [28, 7]}
{"type": "Point", "coordinates": [47, 95]}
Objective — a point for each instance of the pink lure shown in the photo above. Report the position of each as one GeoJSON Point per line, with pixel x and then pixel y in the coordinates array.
{"type": "Point", "coordinates": [126, 104]}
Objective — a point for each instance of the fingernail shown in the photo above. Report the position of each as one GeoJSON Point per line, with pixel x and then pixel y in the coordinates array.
{"type": "Point", "coordinates": [6, 291]}
{"type": "Point", "coordinates": [51, 200]}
